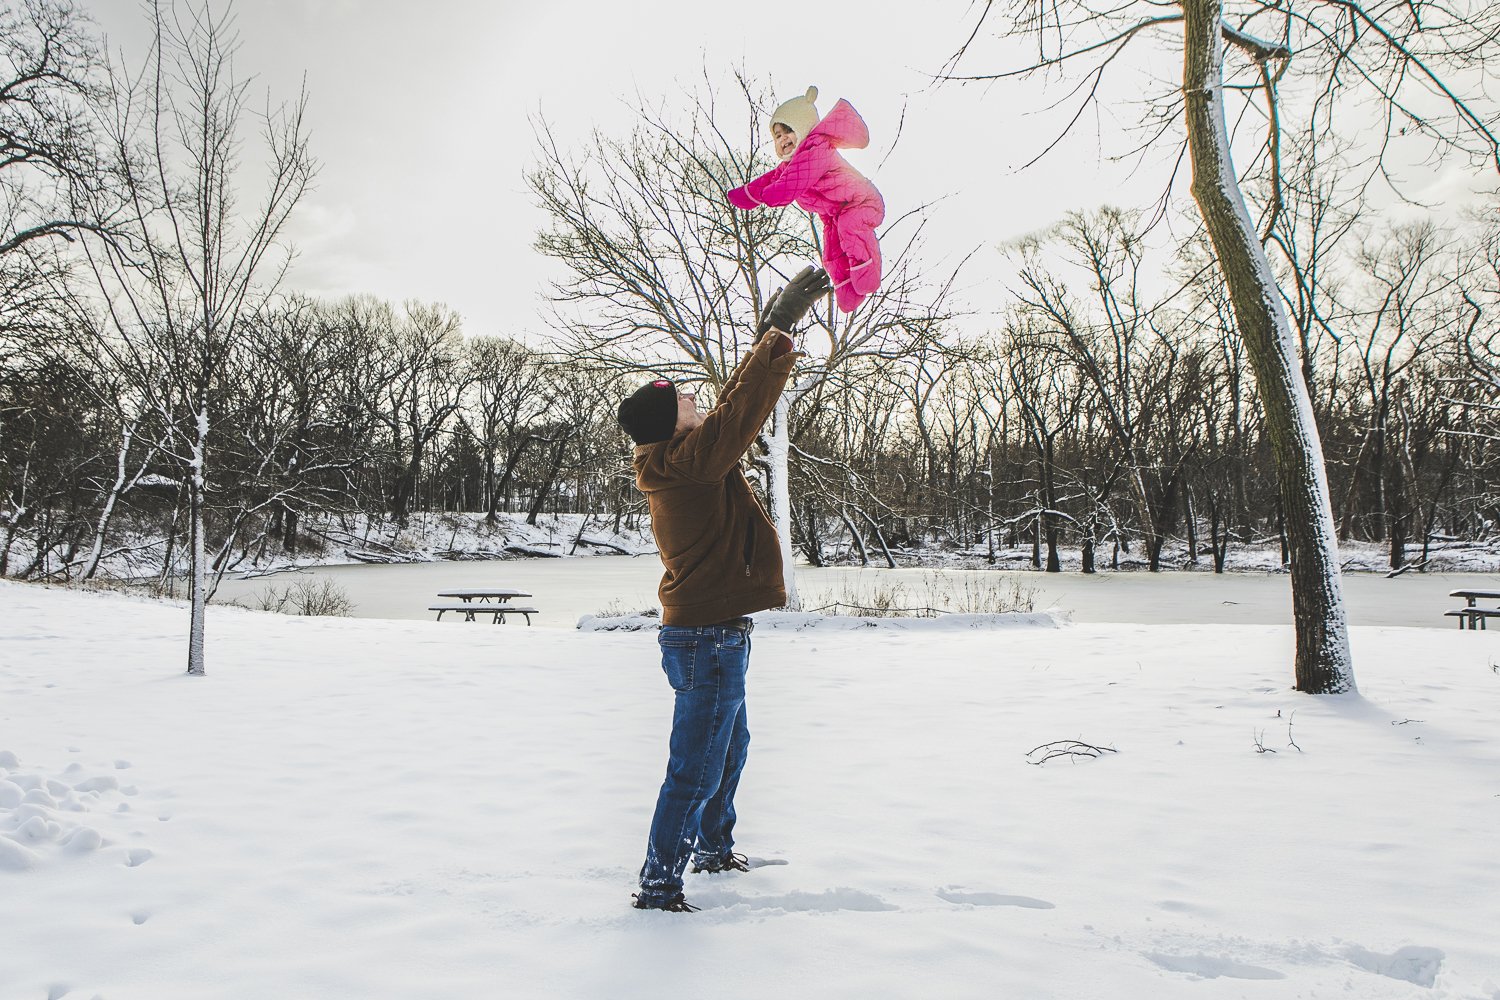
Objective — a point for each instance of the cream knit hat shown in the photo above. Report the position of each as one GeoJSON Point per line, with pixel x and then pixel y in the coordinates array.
{"type": "Point", "coordinates": [799, 114]}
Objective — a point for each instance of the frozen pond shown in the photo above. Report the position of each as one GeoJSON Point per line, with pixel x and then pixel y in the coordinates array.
{"type": "Point", "coordinates": [566, 589]}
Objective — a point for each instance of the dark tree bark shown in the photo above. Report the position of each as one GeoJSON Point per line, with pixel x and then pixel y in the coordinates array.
{"type": "Point", "coordinates": [1323, 664]}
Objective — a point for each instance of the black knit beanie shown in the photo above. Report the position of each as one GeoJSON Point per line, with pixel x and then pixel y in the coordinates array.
{"type": "Point", "coordinates": [650, 413]}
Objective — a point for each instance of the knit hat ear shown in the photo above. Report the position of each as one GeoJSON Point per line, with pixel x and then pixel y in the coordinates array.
{"type": "Point", "coordinates": [649, 414]}
{"type": "Point", "coordinates": [799, 114]}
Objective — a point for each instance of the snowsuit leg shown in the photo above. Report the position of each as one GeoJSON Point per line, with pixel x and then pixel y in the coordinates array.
{"type": "Point", "coordinates": [834, 261]}
{"type": "Point", "coordinates": [861, 248]}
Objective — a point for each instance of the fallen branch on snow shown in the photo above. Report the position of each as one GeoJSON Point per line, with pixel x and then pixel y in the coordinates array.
{"type": "Point", "coordinates": [1072, 749]}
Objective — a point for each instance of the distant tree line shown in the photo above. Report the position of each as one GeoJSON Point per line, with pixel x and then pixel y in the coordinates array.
{"type": "Point", "coordinates": [150, 402]}
{"type": "Point", "coordinates": [1092, 420]}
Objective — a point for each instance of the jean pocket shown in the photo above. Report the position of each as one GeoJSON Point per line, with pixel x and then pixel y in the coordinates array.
{"type": "Point", "coordinates": [677, 660]}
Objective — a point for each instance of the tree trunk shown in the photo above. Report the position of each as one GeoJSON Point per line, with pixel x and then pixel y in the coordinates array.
{"type": "Point", "coordinates": [1323, 664]}
{"type": "Point", "coordinates": [199, 597]}
{"type": "Point", "coordinates": [885, 548]}
{"type": "Point", "coordinates": [813, 541]}
{"type": "Point", "coordinates": [1218, 531]}
{"type": "Point", "coordinates": [859, 543]}
{"type": "Point", "coordinates": [101, 528]}
{"type": "Point", "coordinates": [1192, 525]}
{"type": "Point", "coordinates": [1397, 511]}
{"type": "Point", "coordinates": [1049, 519]}
{"type": "Point", "coordinates": [491, 497]}
{"type": "Point", "coordinates": [508, 477]}
{"type": "Point", "coordinates": [291, 525]}
{"type": "Point", "coordinates": [541, 494]}
{"type": "Point", "coordinates": [780, 491]}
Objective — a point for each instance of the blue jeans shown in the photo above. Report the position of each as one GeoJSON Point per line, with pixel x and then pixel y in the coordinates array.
{"type": "Point", "coordinates": [710, 738]}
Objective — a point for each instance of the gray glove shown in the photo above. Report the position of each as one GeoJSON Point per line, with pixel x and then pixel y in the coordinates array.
{"type": "Point", "coordinates": [785, 309]}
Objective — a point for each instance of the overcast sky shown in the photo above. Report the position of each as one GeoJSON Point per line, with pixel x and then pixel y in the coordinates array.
{"type": "Point", "coordinates": [420, 116]}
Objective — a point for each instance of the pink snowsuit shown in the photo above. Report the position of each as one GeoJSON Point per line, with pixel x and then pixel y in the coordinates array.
{"type": "Point", "coordinates": [819, 180]}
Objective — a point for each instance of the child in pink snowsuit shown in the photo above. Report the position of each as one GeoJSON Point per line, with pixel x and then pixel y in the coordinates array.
{"type": "Point", "coordinates": [814, 175]}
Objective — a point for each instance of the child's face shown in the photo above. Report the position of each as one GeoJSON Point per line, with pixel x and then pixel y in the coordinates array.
{"type": "Point", "coordinates": [786, 140]}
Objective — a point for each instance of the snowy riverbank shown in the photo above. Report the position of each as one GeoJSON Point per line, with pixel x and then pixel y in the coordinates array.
{"type": "Point", "coordinates": [461, 537]}
{"type": "Point", "coordinates": [360, 809]}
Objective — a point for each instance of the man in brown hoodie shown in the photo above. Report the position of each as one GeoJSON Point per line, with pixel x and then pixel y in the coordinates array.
{"type": "Point", "coordinates": [722, 561]}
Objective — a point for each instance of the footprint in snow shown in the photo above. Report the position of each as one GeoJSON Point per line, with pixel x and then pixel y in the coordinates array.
{"type": "Point", "coordinates": [14, 857]}
{"type": "Point", "coordinates": [827, 901]}
{"type": "Point", "coordinates": [1212, 967]}
{"type": "Point", "coordinates": [1410, 964]}
{"type": "Point", "coordinates": [82, 840]}
{"type": "Point", "coordinates": [953, 894]}
{"type": "Point", "coordinates": [753, 862]}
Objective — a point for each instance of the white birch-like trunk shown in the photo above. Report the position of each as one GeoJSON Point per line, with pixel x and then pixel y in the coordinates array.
{"type": "Point", "coordinates": [195, 514]}
{"type": "Point", "coordinates": [779, 488]}
{"type": "Point", "coordinates": [123, 481]}
{"type": "Point", "coordinates": [102, 525]}
{"type": "Point", "coordinates": [1323, 661]}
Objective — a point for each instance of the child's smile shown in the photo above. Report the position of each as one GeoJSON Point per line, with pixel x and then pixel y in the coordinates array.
{"type": "Point", "coordinates": [786, 140]}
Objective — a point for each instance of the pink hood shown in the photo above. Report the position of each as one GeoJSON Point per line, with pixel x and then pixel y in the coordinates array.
{"type": "Point", "coordinates": [843, 127]}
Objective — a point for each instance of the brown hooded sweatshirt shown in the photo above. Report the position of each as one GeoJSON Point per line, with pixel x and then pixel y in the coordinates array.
{"type": "Point", "coordinates": [721, 553]}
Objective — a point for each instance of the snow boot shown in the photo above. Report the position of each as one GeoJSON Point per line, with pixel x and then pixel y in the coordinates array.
{"type": "Point", "coordinates": [674, 905]}
{"type": "Point", "coordinates": [728, 863]}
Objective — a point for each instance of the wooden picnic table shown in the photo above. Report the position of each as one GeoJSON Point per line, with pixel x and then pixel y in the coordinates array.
{"type": "Point", "coordinates": [498, 593]}
{"type": "Point", "coordinates": [1472, 616]}
{"type": "Point", "coordinates": [469, 608]}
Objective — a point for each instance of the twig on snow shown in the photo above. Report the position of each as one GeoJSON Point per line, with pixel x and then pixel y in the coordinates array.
{"type": "Point", "coordinates": [1072, 749]}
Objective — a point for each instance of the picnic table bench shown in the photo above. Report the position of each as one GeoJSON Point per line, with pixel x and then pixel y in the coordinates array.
{"type": "Point", "coordinates": [1472, 616]}
{"type": "Point", "coordinates": [468, 608]}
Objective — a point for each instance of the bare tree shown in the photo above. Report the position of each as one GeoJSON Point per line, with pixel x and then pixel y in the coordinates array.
{"type": "Point", "coordinates": [187, 267]}
{"type": "Point", "coordinates": [53, 180]}
{"type": "Point", "coordinates": [1405, 307]}
{"type": "Point", "coordinates": [660, 265]}
{"type": "Point", "coordinates": [1405, 59]}
{"type": "Point", "coordinates": [427, 379]}
{"type": "Point", "coordinates": [509, 393]}
{"type": "Point", "coordinates": [1124, 356]}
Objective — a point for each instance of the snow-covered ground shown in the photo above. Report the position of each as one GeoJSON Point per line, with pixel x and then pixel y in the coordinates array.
{"type": "Point", "coordinates": [351, 808]}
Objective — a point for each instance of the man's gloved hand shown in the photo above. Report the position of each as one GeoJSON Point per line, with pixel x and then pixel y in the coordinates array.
{"type": "Point", "coordinates": [785, 309]}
